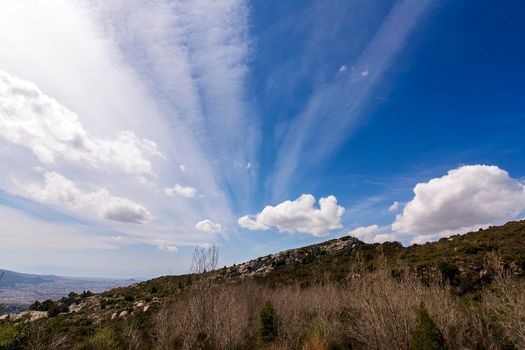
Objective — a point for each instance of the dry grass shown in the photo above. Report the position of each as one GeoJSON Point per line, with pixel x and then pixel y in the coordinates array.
{"type": "Point", "coordinates": [214, 317]}
{"type": "Point", "coordinates": [371, 311]}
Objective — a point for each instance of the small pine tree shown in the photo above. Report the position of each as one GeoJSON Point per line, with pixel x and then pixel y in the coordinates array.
{"type": "Point", "coordinates": [426, 335]}
{"type": "Point", "coordinates": [268, 324]}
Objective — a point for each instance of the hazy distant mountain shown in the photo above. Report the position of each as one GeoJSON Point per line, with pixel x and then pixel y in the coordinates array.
{"type": "Point", "coordinates": [11, 278]}
{"type": "Point", "coordinates": [24, 288]}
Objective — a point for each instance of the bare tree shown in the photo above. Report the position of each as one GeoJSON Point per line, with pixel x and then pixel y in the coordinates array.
{"type": "Point", "coordinates": [204, 260]}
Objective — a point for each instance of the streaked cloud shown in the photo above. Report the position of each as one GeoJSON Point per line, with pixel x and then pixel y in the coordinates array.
{"type": "Point", "coordinates": [335, 108]}
{"type": "Point", "coordinates": [195, 55]}
{"type": "Point", "coordinates": [21, 231]}
{"type": "Point", "coordinates": [113, 111]}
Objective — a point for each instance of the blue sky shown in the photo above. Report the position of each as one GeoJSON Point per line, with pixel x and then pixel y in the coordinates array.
{"type": "Point", "coordinates": [133, 132]}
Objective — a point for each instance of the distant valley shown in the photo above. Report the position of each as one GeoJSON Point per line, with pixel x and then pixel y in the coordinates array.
{"type": "Point", "coordinates": [18, 289]}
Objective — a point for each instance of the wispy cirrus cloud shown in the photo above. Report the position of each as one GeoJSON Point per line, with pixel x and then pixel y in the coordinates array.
{"type": "Point", "coordinates": [336, 106]}
{"type": "Point", "coordinates": [131, 98]}
{"type": "Point", "coordinates": [194, 56]}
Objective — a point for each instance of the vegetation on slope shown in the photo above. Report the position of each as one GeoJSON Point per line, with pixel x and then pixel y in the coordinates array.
{"type": "Point", "coordinates": [339, 294]}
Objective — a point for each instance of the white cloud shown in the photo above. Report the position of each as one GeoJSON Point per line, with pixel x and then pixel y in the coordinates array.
{"type": "Point", "coordinates": [342, 68]}
{"type": "Point", "coordinates": [208, 226]}
{"type": "Point", "coordinates": [364, 73]}
{"type": "Point", "coordinates": [179, 190]}
{"type": "Point", "coordinates": [372, 234]}
{"type": "Point", "coordinates": [247, 222]}
{"type": "Point", "coordinates": [467, 198]}
{"type": "Point", "coordinates": [394, 207]}
{"type": "Point", "coordinates": [58, 190]}
{"type": "Point", "coordinates": [123, 93]}
{"type": "Point", "coordinates": [364, 233]}
{"type": "Point", "coordinates": [298, 216]}
{"type": "Point", "coordinates": [195, 55]}
{"type": "Point", "coordinates": [163, 245]}
{"type": "Point", "coordinates": [33, 120]}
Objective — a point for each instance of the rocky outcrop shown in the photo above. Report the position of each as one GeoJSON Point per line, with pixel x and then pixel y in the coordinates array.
{"type": "Point", "coordinates": [264, 265]}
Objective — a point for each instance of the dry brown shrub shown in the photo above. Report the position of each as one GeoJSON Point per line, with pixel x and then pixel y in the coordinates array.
{"type": "Point", "coordinates": [314, 310]}
{"type": "Point", "coordinates": [315, 343]}
{"type": "Point", "coordinates": [219, 317]}
{"type": "Point", "coordinates": [373, 310]}
{"type": "Point", "coordinates": [505, 302]}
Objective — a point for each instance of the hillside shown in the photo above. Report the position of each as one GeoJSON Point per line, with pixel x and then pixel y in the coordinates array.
{"type": "Point", "coordinates": [465, 262]}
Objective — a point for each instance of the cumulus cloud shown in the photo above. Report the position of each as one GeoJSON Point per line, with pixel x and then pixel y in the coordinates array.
{"type": "Point", "coordinates": [58, 190]}
{"type": "Point", "coordinates": [208, 226]}
{"type": "Point", "coordinates": [299, 215]}
{"type": "Point", "coordinates": [179, 190]}
{"type": "Point", "coordinates": [372, 234]}
{"type": "Point", "coordinates": [394, 207]}
{"type": "Point", "coordinates": [364, 233]}
{"type": "Point", "coordinates": [31, 119]}
{"type": "Point", "coordinates": [466, 198]}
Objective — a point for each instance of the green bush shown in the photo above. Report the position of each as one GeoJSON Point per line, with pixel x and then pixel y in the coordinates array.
{"type": "Point", "coordinates": [56, 309]}
{"type": "Point", "coordinates": [426, 335]}
{"type": "Point", "coordinates": [268, 323]}
{"type": "Point", "coordinates": [103, 339]}
{"type": "Point", "coordinates": [11, 337]}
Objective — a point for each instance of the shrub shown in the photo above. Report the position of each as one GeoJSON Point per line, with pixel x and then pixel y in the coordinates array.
{"type": "Point", "coordinates": [86, 294]}
{"type": "Point", "coordinates": [55, 309]}
{"type": "Point", "coordinates": [44, 306]}
{"type": "Point", "coordinates": [103, 339]}
{"type": "Point", "coordinates": [268, 323]}
{"type": "Point", "coordinates": [426, 335]}
{"type": "Point", "coordinates": [448, 270]}
{"type": "Point", "coordinates": [11, 337]}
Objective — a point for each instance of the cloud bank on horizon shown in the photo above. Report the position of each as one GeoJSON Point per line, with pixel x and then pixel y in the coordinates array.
{"type": "Point", "coordinates": [148, 124]}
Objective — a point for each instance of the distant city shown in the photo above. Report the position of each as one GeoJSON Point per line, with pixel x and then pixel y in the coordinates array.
{"type": "Point", "coordinates": [23, 289]}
